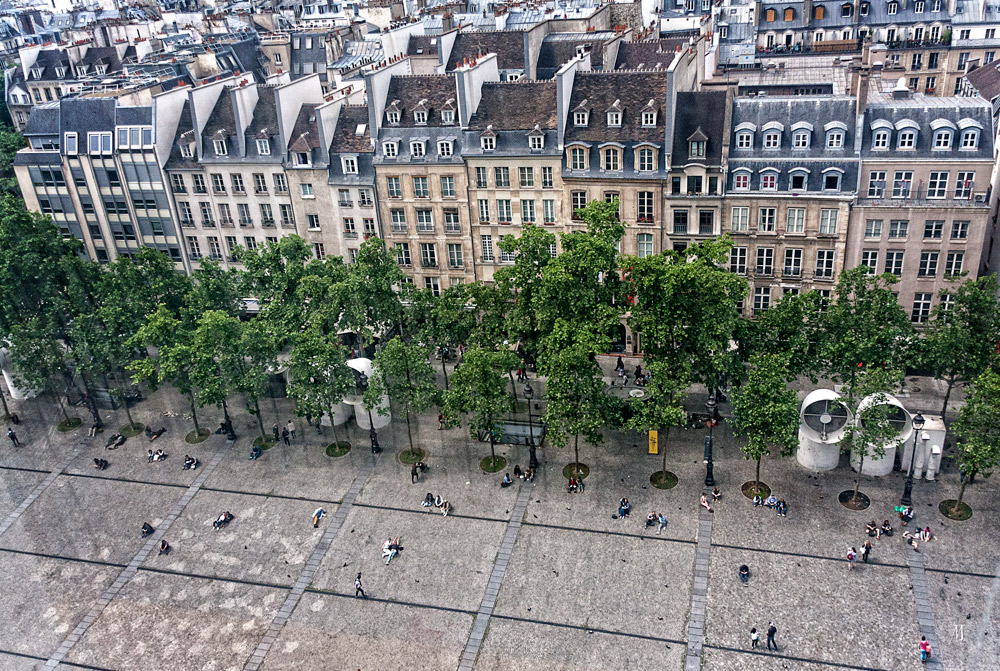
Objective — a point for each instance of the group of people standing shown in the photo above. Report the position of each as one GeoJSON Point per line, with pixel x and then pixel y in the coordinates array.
{"type": "Point", "coordinates": [286, 433]}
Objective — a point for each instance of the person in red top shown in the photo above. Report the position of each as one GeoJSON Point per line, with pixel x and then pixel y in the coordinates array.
{"type": "Point", "coordinates": [925, 649]}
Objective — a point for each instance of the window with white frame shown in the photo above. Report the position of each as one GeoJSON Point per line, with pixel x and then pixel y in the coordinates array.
{"type": "Point", "coordinates": [349, 164]}
{"type": "Point", "coordinates": [800, 139]}
{"type": "Point", "coordinates": [488, 142]}
{"type": "Point", "coordinates": [526, 177]}
{"type": "Point", "coordinates": [744, 140]}
{"type": "Point", "coordinates": [549, 211]}
{"type": "Point", "coordinates": [796, 220]}
{"type": "Point", "coordinates": [937, 184]}
{"type": "Point", "coordinates": [873, 228]}
{"type": "Point", "coordinates": [869, 258]}
{"type": "Point", "coordinates": [648, 119]}
{"type": "Point", "coordinates": [425, 221]}
{"type": "Point", "coordinates": [824, 263]}
{"type": "Point", "coordinates": [831, 180]}
{"type": "Point", "coordinates": [834, 139]}
{"type": "Point", "coordinates": [527, 211]}
{"type": "Point", "coordinates": [761, 299]}
{"type": "Point", "coordinates": [578, 159]}
{"type": "Point", "coordinates": [769, 181]}
{"type": "Point", "coordinates": [880, 139]}
{"type": "Point", "coordinates": [921, 307]}
{"type": "Point", "coordinates": [901, 182]}
{"type": "Point", "coordinates": [505, 214]}
{"type": "Point", "coordinates": [301, 158]}
{"type": "Point", "coordinates": [894, 263]}
{"type": "Point", "coordinates": [793, 262]}
{"type": "Point", "coordinates": [614, 119]}
{"type": "Point", "coordinates": [953, 263]}
{"type": "Point", "coordinates": [220, 147]}
{"type": "Point", "coordinates": [447, 116]}
{"type": "Point", "coordinates": [403, 254]}
{"type": "Point", "coordinates": [612, 158]}
{"type": "Point", "coordinates": [964, 183]}
{"type": "Point", "coordinates": [447, 186]}
{"type": "Point", "coordinates": [970, 138]}
{"type": "Point", "coordinates": [390, 149]}
{"type": "Point", "coordinates": [70, 143]}
{"type": "Point", "coordinates": [420, 188]}
{"type": "Point", "coordinates": [536, 142]}
{"type": "Point", "coordinates": [738, 260]}
{"type": "Point", "coordinates": [101, 143]}
{"type": "Point", "coordinates": [942, 139]}
{"type": "Point", "coordinates": [876, 183]}
{"type": "Point", "coordinates": [740, 219]}
{"type": "Point", "coordinates": [420, 117]}
{"type": "Point", "coordinates": [959, 230]}
{"type": "Point", "coordinates": [263, 148]}
{"type": "Point", "coordinates": [644, 245]}
{"type": "Point", "coordinates": [741, 181]}
{"type": "Point", "coordinates": [766, 216]}
{"type": "Point", "coordinates": [307, 190]}
{"type": "Point", "coordinates": [392, 117]}
{"type": "Point", "coordinates": [418, 149]}
{"type": "Point", "coordinates": [646, 160]}
{"type": "Point", "coordinates": [484, 210]}
{"type": "Point", "coordinates": [398, 220]}
{"type": "Point", "coordinates": [644, 206]}
{"type": "Point", "coordinates": [580, 118]}
{"type": "Point", "coordinates": [486, 242]}
{"type": "Point", "coordinates": [445, 148]}
{"type": "Point", "coordinates": [772, 140]}
{"type": "Point", "coordinates": [828, 222]}
{"type": "Point", "coordinates": [907, 139]}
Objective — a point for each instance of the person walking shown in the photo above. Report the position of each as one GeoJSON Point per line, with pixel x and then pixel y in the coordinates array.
{"type": "Point", "coordinates": [865, 551]}
{"type": "Point", "coordinates": [358, 589]}
{"type": "Point", "coordinates": [317, 516]}
{"type": "Point", "coordinates": [274, 430]}
{"type": "Point", "coordinates": [414, 474]}
{"type": "Point", "coordinates": [284, 436]}
{"type": "Point", "coordinates": [771, 631]}
{"type": "Point", "coordinates": [13, 437]}
{"type": "Point", "coordinates": [852, 557]}
{"type": "Point", "coordinates": [754, 638]}
{"type": "Point", "coordinates": [925, 649]}
{"type": "Point", "coordinates": [291, 429]}
{"type": "Point", "coordinates": [661, 522]}
{"type": "Point", "coordinates": [440, 421]}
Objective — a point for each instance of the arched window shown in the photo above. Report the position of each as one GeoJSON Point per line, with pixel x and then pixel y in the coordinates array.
{"type": "Point", "coordinates": [789, 14]}
{"type": "Point", "coordinates": [820, 12]}
{"type": "Point", "coordinates": [769, 15]}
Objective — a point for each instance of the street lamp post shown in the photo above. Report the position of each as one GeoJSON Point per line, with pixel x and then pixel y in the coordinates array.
{"type": "Point", "coordinates": [230, 433]}
{"type": "Point", "coordinates": [709, 442]}
{"type": "Point", "coordinates": [529, 393]}
{"type": "Point", "coordinates": [363, 383]}
{"type": "Point", "coordinates": [918, 424]}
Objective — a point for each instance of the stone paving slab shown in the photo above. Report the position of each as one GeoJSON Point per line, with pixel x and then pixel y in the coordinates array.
{"type": "Point", "coordinates": [43, 599]}
{"type": "Point", "coordinates": [248, 548]}
{"type": "Point", "coordinates": [10, 662]}
{"type": "Point", "coordinates": [728, 660]}
{"type": "Point", "coordinates": [533, 647]}
{"type": "Point", "coordinates": [90, 519]}
{"type": "Point", "coordinates": [621, 584]}
{"type": "Point", "coordinates": [335, 632]}
{"type": "Point", "coordinates": [14, 487]}
{"type": "Point", "coordinates": [301, 470]}
{"type": "Point", "coordinates": [446, 561]}
{"type": "Point", "coordinates": [977, 535]}
{"type": "Point", "coordinates": [131, 461]}
{"type": "Point", "coordinates": [823, 612]}
{"type": "Point", "coordinates": [959, 604]}
{"type": "Point", "coordinates": [173, 622]}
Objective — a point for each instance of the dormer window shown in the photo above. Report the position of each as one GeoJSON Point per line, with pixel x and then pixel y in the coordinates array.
{"type": "Point", "coordinates": [301, 158]}
{"type": "Point", "coordinates": [614, 119]}
{"type": "Point", "coordinates": [769, 181]}
{"type": "Point", "coordinates": [60, 72]}
{"type": "Point", "coordinates": [70, 143]}
{"type": "Point", "coordinates": [865, 6]}
{"type": "Point", "coordinates": [772, 140]}
{"type": "Point", "coordinates": [536, 142]}
{"type": "Point", "coordinates": [942, 139]}
{"type": "Point", "coordinates": [580, 118]}
{"type": "Point", "coordinates": [697, 149]}
{"type": "Point", "coordinates": [187, 150]}
{"type": "Point", "coordinates": [744, 140]}
{"type": "Point", "coordinates": [101, 69]}
{"type": "Point", "coordinates": [648, 119]}
{"type": "Point", "coordinates": [612, 159]}
{"type": "Point", "coordinates": [36, 73]}
{"type": "Point", "coordinates": [800, 139]}
{"type": "Point", "coordinates": [797, 181]}
{"type": "Point", "coordinates": [835, 139]}
{"type": "Point", "coordinates": [392, 118]}
{"type": "Point", "coordinates": [420, 117]}
{"type": "Point", "coordinates": [220, 147]}
{"type": "Point", "coordinates": [488, 142]}
{"type": "Point", "coordinates": [970, 139]}
{"type": "Point", "coordinates": [445, 148]}
{"type": "Point", "coordinates": [263, 148]}
{"type": "Point", "coordinates": [577, 159]}
{"type": "Point", "coordinates": [447, 116]}
{"type": "Point", "coordinates": [892, 8]}
{"type": "Point", "coordinates": [880, 139]}
{"type": "Point", "coordinates": [349, 164]}
{"type": "Point", "coordinates": [390, 149]}
{"type": "Point", "coordinates": [907, 139]}
{"type": "Point", "coordinates": [417, 149]}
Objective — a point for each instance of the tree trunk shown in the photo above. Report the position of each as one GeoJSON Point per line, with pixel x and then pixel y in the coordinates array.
{"type": "Point", "coordinates": [333, 425]}
{"type": "Point", "coordinates": [756, 482]}
{"type": "Point", "coordinates": [6, 410]}
{"type": "Point", "coordinates": [121, 390]}
{"type": "Point", "coordinates": [660, 447]}
{"type": "Point", "coordinates": [493, 454]}
{"type": "Point", "coordinates": [961, 492]}
{"type": "Point", "coordinates": [260, 421]}
{"type": "Point", "coordinates": [194, 414]}
{"type": "Point", "coordinates": [857, 481]}
{"type": "Point", "coordinates": [445, 371]}
{"type": "Point", "coordinates": [62, 407]}
{"type": "Point", "coordinates": [513, 387]}
{"type": "Point", "coordinates": [947, 395]}
{"type": "Point", "coordinates": [576, 454]}
{"type": "Point", "coordinates": [409, 432]}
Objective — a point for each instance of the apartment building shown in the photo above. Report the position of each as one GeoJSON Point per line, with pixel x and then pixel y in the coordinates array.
{"type": "Point", "coordinates": [514, 165]}
{"type": "Point", "coordinates": [91, 165]}
{"type": "Point", "coordinates": [922, 211]}
{"type": "Point", "coordinates": [792, 174]}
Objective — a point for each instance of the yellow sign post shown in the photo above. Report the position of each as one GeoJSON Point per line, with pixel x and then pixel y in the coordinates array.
{"type": "Point", "coordinates": [653, 445]}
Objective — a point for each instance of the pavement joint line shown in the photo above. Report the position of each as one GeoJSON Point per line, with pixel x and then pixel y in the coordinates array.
{"type": "Point", "coordinates": [309, 570]}
{"type": "Point", "coordinates": [702, 559]}
{"type": "Point", "coordinates": [132, 568]}
{"type": "Point", "coordinates": [488, 602]}
{"type": "Point", "coordinates": [39, 488]}
{"type": "Point", "coordinates": [925, 613]}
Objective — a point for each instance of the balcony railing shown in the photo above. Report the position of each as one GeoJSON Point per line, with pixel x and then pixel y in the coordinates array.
{"type": "Point", "coordinates": [187, 223]}
{"type": "Point", "coordinates": [179, 188]}
{"type": "Point", "coordinates": [351, 235]}
{"type": "Point", "coordinates": [267, 223]}
{"type": "Point", "coordinates": [974, 199]}
{"type": "Point", "coordinates": [226, 222]}
{"type": "Point", "coordinates": [287, 223]}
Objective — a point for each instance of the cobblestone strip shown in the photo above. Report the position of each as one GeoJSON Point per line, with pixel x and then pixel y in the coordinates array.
{"type": "Point", "coordinates": [925, 616]}
{"type": "Point", "coordinates": [37, 491]}
{"type": "Point", "coordinates": [699, 593]}
{"type": "Point", "coordinates": [132, 568]}
{"type": "Point", "coordinates": [496, 578]}
{"type": "Point", "coordinates": [309, 570]}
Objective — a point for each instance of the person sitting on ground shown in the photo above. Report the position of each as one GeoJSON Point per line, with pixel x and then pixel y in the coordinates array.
{"type": "Point", "coordinates": [744, 574]}
{"type": "Point", "coordinates": [624, 508]}
{"type": "Point", "coordinates": [871, 528]}
{"type": "Point", "coordinates": [782, 508]}
{"type": "Point", "coordinates": [445, 508]}
{"type": "Point", "coordinates": [164, 547]}
{"type": "Point", "coordinates": [389, 551]}
{"type": "Point", "coordinates": [757, 500]}
{"type": "Point", "coordinates": [190, 463]}
{"type": "Point", "coordinates": [222, 428]}
{"type": "Point", "coordinates": [925, 534]}
{"type": "Point", "coordinates": [223, 519]}
{"type": "Point", "coordinates": [650, 519]}
{"type": "Point", "coordinates": [93, 429]}
{"type": "Point", "coordinates": [529, 475]}
{"type": "Point", "coordinates": [254, 452]}
{"type": "Point", "coordinates": [716, 495]}
{"type": "Point", "coordinates": [112, 441]}
{"type": "Point", "coordinates": [150, 456]}
{"type": "Point", "coordinates": [571, 487]}
{"type": "Point", "coordinates": [772, 501]}
{"type": "Point", "coordinates": [422, 467]}
{"type": "Point", "coordinates": [149, 433]}
{"type": "Point", "coordinates": [906, 514]}
{"type": "Point", "coordinates": [428, 500]}
{"type": "Point", "coordinates": [886, 529]}
{"type": "Point", "coordinates": [147, 529]}
{"type": "Point", "coordinates": [506, 482]}
{"type": "Point", "coordinates": [100, 464]}
{"type": "Point", "coordinates": [159, 455]}
{"type": "Point", "coordinates": [517, 471]}
{"type": "Point", "coordinates": [438, 501]}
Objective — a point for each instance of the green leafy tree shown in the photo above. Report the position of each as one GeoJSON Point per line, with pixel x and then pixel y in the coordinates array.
{"type": "Point", "coordinates": [320, 376]}
{"type": "Point", "coordinates": [766, 411]}
{"type": "Point", "coordinates": [959, 341]}
{"type": "Point", "coordinates": [791, 327]}
{"type": "Point", "coordinates": [875, 424]}
{"type": "Point", "coordinates": [443, 321]}
{"type": "Point", "coordinates": [979, 426]}
{"type": "Point", "coordinates": [371, 304]}
{"type": "Point", "coordinates": [523, 281]}
{"type": "Point", "coordinates": [37, 356]}
{"type": "Point", "coordinates": [662, 406]}
{"type": "Point", "coordinates": [403, 373]}
{"type": "Point", "coordinates": [576, 399]}
{"type": "Point", "coordinates": [479, 389]}
{"type": "Point", "coordinates": [273, 274]}
{"type": "Point", "coordinates": [491, 303]}
{"type": "Point", "coordinates": [213, 288]}
{"type": "Point", "coordinates": [864, 328]}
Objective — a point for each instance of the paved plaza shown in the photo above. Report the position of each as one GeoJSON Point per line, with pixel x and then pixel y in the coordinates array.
{"type": "Point", "coordinates": [529, 577]}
